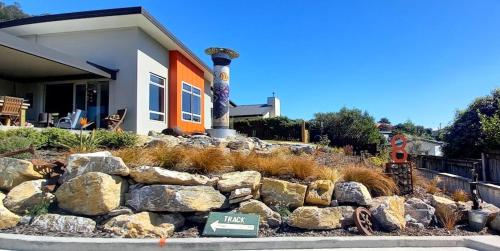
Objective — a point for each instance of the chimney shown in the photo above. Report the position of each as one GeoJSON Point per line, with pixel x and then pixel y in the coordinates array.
{"type": "Point", "coordinates": [274, 102]}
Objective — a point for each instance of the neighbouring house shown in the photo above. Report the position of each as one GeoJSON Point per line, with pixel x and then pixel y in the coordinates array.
{"type": "Point", "coordinates": [270, 109]}
{"type": "Point", "coordinates": [422, 146]}
{"type": "Point", "coordinates": [104, 60]}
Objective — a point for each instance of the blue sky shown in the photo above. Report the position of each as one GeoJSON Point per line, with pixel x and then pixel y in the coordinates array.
{"type": "Point", "coordinates": [420, 60]}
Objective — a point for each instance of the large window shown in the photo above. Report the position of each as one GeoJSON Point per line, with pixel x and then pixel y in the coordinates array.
{"type": "Point", "coordinates": [156, 98]}
{"type": "Point", "coordinates": [191, 103]}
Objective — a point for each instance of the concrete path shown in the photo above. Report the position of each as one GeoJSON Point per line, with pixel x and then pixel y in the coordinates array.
{"type": "Point", "coordinates": [41, 243]}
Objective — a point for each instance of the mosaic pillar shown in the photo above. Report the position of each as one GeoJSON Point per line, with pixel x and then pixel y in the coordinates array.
{"type": "Point", "coordinates": [221, 58]}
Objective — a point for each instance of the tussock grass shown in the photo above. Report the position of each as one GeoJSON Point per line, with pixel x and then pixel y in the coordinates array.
{"type": "Point", "coordinates": [447, 217]}
{"type": "Point", "coordinates": [374, 179]}
{"type": "Point", "coordinates": [433, 187]}
{"type": "Point", "coordinates": [460, 195]}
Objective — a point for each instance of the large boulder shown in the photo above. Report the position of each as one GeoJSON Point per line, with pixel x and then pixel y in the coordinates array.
{"type": "Point", "coordinates": [139, 225]}
{"type": "Point", "coordinates": [64, 223]}
{"type": "Point", "coordinates": [282, 193]}
{"type": "Point", "coordinates": [310, 217]}
{"type": "Point", "coordinates": [239, 144]}
{"type": "Point", "coordinates": [102, 162]}
{"type": "Point", "coordinates": [27, 195]}
{"type": "Point", "coordinates": [420, 211]}
{"type": "Point", "coordinates": [300, 149]}
{"type": "Point", "coordinates": [352, 193]}
{"type": "Point", "coordinates": [389, 212]}
{"type": "Point", "coordinates": [7, 218]}
{"type": "Point", "coordinates": [439, 202]}
{"type": "Point", "coordinates": [163, 140]}
{"type": "Point", "coordinates": [235, 180]}
{"type": "Point", "coordinates": [15, 171]}
{"type": "Point", "coordinates": [91, 194]}
{"type": "Point", "coordinates": [158, 175]}
{"type": "Point", "coordinates": [494, 224]}
{"type": "Point", "coordinates": [320, 193]}
{"type": "Point", "coordinates": [198, 141]}
{"type": "Point", "coordinates": [171, 198]}
{"type": "Point", "coordinates": [268, 217]}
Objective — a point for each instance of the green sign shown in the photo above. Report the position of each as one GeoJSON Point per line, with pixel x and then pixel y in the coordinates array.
{"type": "Point", "coordinates": [232, 225]}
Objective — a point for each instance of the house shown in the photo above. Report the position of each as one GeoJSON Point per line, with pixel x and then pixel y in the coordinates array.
{"type": "Point", "coordinates": [270, 109]}
{"type": "Point", "coordinates": [104, 60]}
{"type": "Point", "coordinates": [422, 146]}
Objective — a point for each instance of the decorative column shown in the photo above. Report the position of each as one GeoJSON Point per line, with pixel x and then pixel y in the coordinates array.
{"type": "Point", "coordinates": [221, 58]}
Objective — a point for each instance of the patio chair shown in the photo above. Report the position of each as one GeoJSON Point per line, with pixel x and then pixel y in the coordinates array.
{"type": "Point", "coordinates": [72, 121]}
{"type": "Point", "coordinates": [11, 109]}
{"type": "Point", "coordinates": [116, 120]}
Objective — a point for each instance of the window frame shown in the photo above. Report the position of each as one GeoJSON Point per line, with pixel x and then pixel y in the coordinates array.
{"type": "Point", "coordinates": [164, 113]}
{"type": "Point", "coordinates": [191, 93]}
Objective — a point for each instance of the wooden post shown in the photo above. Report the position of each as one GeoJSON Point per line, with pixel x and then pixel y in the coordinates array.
{"type": "Point", "coordinates": [483, 166]}
{"type": "Point", "coordinates": [23, 118]}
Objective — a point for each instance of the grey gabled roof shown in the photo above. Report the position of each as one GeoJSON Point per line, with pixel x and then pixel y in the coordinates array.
{"type": "Point", "coordinates": [249, 110]}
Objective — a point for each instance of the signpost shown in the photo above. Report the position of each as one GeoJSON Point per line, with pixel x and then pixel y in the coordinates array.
{"type": "Point", "coordinates": [232, 225]}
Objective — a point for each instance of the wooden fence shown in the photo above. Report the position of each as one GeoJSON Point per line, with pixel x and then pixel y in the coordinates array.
{"type": "Point", "coordinates": [491, 167]}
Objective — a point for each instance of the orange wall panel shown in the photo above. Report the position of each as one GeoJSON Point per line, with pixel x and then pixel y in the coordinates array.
{"type": "Point", "coordinates": [181, 69]}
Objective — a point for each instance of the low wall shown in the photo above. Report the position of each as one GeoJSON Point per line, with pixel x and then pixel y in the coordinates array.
{"type": "Point", "coordinates": [450, 182]}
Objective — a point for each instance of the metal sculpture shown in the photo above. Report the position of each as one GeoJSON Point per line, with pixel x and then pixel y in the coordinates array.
{"type": "Point", "coordinates": [400, 169]}
{"type": "Point", "coordinates": [363, 220]}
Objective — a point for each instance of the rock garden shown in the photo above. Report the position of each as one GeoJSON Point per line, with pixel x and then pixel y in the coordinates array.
{"type": "Point", "coordinates": [165, 186]}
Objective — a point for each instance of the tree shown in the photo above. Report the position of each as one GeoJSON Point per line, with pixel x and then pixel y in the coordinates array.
{"type": "Point", "coordinates": [408, 127]}
{"type": "Point", "coordinates": [490, 127]}
{"type": "Point", "coordinates": [348, 127]}
{"type": "Point", "coordinates": [466, 137]}
{"type": "Point", "coordinates": [384, 120]}
{"type": "Point", "coordinates": [10, 12]}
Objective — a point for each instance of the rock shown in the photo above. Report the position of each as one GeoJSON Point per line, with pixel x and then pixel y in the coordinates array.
{"type": "Point", "coordinates": [241, 144]}
{"type": "Point", "coordinates": [439, 202]}
{"type": "Point", "coordinates": [120, 211]}
{"type": "Point", "coordinates": [16, 171]}
{"type": "Point", "coordinates": [27, 195]}
{"type": "Point", "coordinates": [198, 141]}
{"type": "Point", "coordinates": [299, 149]}
{"type": "Point", "coordinates": [240, 192]}
{"type": "Point", "coordinates": [64, 223]}
{"type": "Point", "coordinates": [389, 212]}
{"type": "Point", "coordinates": [415, 225]}
{"type": "Point", "coordinates": [320, 192]}
{"type": "Point", "coordinates": [26, 220]}
{"type": "Point", "coordinates": [334, 203]}
{"type": "Point", "coordinates": [102, 162]}
{"type": "Point", "coordinates": [175, 219]}
{"type": "Point", "coordinates": [171, 198]}
{"type": "Point", "coordinates": [91, 194]}
{"type": "Point", "coordinates": [494, 224]}
{"type": "Point", "coordinates": [240, 199]}
{"type": "Point", "coordinates": [268, 217]}
{"type": "Point", "coordinates": [235, 180]}
{"type": "Point", "coordinates": [139, 225]}
{"type": "Point", "coordinates": [158, 175]}
{"type": "Point", "coordinates": [352, 193]}
{"type": "Point", "coordinates": [7, 218]}
{"type": "Point", "coordinates": [420, 211]}
{"type": "Point", "coordinates": [310, 217]}
{"type": "Point", "coordinates": [163, 140]}
{"type": "Point", "coordinates": [282, 193]}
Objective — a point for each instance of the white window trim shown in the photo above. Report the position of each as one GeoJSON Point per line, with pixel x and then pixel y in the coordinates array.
{"type": "Point", "coordinates": [191, 93]}
{"type": "Point", "coordinates": [164, 95]}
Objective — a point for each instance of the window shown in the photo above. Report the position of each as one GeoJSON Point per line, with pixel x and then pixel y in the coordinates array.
{"type": "Point", "coordinates": [191, 103]}
{"type": "Point", "coordinates": [156, 98]}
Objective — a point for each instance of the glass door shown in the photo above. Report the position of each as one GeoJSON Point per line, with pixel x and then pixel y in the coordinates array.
{"type": "Point", "coordinates": [93, 98]}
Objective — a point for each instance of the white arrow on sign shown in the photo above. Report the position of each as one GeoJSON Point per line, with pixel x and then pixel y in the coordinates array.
{"type": "Point", "coordinates": [218, 225]}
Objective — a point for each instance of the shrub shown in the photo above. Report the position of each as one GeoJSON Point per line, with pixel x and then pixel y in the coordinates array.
{"type": "Point", "coordinates": [54, 136]}
{"type": "Point", "coordinates": [81, 143]}
{"type": "Point", "coordinates": [377, 182]}
{"type": "Point", "coordinates": [116, 140]}
{"type": "Point", "coordinates": [460, 195]}
{"type": "Point", "coordinates": [13, 143]}
{"type": "Point", "coordinates": [40, 208]}
{"type": "Point", "coordinates": [447, 217]}
{"type": "Point", "coordinates": [35, 137]}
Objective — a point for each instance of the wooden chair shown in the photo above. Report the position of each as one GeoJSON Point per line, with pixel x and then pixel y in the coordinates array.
{"type": "Point", "coordinates": [11, 109]}
{"type": "Point", "coordinates": [116, 120]}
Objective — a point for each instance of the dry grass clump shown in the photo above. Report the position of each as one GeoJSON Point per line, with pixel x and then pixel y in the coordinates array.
{"type": "Point", "coordinates": [460, 195]}
{"type": "Point", "coordinates": [374, 179]}
{"type": "Point", "coordinates": [433, 187]}
{"type": "Point", "coordinates": [447, 217]}
{"type": "Point", "coordinates": [210, 160]}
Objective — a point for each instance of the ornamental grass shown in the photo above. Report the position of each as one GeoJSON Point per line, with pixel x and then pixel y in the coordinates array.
{"type": "Point", "coordinates": [374, 179]}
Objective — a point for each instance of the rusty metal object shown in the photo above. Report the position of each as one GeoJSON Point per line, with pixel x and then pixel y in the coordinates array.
{"type": "Point", "coordinates": [51, 171]}
{"type": "Point", "coordinates": [30, 149]}
{"type": "Point", "coordinates": [363, 220]}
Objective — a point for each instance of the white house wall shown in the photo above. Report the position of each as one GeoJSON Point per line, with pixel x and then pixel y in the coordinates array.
{"type": "Point", "coordinates": [208, 104]}
{"type": "Point", "coordinates": [151, 58]}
